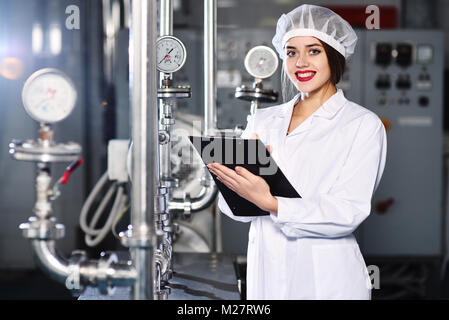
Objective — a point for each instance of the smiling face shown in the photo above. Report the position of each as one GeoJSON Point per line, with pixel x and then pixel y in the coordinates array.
{"type": "Point", "coordinates": [307, 64]}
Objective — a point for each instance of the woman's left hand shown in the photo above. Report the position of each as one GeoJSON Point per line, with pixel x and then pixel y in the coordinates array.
{"type": "Point", "coordinates": [247, 185]}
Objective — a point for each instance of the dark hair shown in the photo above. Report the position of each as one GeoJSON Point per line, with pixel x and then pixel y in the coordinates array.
{"type": "Point", "coordinates": [337, 63]}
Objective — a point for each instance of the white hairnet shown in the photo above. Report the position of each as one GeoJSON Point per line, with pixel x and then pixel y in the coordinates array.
{"type": "Point", "coordinates": [319, 22]}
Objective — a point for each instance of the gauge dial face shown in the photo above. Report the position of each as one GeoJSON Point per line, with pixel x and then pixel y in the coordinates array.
{"type": "Point", "coordinates": [170, 54]}
{"type": "Point", "coordinates": [261, 62]}
{"type": "Point", "coordinates": [49, 96]}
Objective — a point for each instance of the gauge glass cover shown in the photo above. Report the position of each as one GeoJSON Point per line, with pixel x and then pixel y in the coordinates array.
{"type": "Point", "coordinates": [261, 62]}
{"type": "Point", "coordinates": [170, 54]}
{"type": "Point", "coordinates": [49, 96]}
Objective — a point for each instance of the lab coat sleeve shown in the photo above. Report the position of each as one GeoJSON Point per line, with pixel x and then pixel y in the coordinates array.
{"type": "Point", "coordinates": [348, 203]}
{"type": "Point", "coordinates": [222, 205]}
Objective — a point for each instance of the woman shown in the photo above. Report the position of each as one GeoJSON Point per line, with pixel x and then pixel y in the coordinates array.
{"type": "Point", "coordinates": [333, 152]}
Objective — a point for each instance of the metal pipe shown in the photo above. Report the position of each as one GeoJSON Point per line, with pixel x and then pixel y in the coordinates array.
{"type": "Point", "coordinates": [210, 53]}
{"type": "Point", "coordinates": [145, 153]}
{"type": "Point", "coordinates": [90, 272]}
{"type": "Point", "coordinates": [166, 29]}
{"type": "Point", "coordinates": [115, 274]}
{"type": "Point", "coordinates": [43, 231]}
{"type": "Point", "coordinates": [55, 266]}
{"type": "Point", "coordinates": [204, 200]}
{"type": "Point", "coordinates": [166, 16]}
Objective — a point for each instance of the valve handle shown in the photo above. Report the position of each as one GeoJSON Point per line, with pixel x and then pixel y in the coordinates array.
{"type": "Point", "coordinates": [72, 167]}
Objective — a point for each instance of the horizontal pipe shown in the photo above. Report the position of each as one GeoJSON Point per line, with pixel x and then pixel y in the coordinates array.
{"type": "Point", "coordinates": [90, 272]}
{"type": "Point", "coordinates": [115, 274]}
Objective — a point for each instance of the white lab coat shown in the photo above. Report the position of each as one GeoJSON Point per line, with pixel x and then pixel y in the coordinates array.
{"type": "Point", "coordinates": [335, 160]}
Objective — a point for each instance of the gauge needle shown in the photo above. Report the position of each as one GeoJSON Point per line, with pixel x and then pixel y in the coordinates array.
{"type": "Point", "coordinates": [51, 93]}
{"type": "Point", "coordinates": [41, 103]}
{"type": "Point", "coordinates": [166, 56]}
{"type": "Point", "coordinates": [261, 61]}
{"type": "Point", "coordinates": [163, 58]}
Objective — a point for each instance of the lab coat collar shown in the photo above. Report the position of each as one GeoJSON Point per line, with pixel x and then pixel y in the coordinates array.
{"type": "Point", "coordinates": [327, 110]}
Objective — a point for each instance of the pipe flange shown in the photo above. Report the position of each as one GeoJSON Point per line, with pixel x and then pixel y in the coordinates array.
{"type": "Point", "coordinates": [73, 281]}
{"type": "Point", "coordinates": [256, 94]}
{"type": "Point", "coordinates": [168, 121]}
{"type": "Point", "coordinates": [106, 259]}
{"type": "Point", "coordinates": [42, 229]}
{"type": "Point", "coordinates": [38, 151]}
{"type": "Point", "coordinates": [174, 93]}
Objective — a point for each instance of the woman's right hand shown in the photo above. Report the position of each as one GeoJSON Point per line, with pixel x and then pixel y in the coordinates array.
{"type": "Point", "coordinates": [256, 136]}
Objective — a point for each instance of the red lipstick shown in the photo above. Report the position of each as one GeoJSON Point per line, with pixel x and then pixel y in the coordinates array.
{"type": "Point", "coordinates": [302, 78]}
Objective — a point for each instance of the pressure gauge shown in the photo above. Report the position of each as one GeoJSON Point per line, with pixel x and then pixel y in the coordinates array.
{"type": "Point", "coordinates": [49, 96]}
{"type": "Point", "coordinates": [171, 54]}
{"type": "Point", "coordinates": [261, 62]}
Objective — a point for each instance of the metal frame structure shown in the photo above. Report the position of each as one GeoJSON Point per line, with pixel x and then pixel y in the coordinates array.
{"type": "Point", "coordinates": [151, 204]}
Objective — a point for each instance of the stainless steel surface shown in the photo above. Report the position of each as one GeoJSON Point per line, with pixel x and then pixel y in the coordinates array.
{"type": "Point", "coordinates": [198, 276]}
{"type": "Point", "coordinates": [166, 17]}
{"type": "Point", "coordinates": [144, 159]}
{"type": "Point", "coordinates": [39, 152]}
{"type": "Point", "coordinates": [177, 93]}
{"type": "Point", "coordinates": [111, 26]}
{"type": "Point", "coordinates": [256, 94]}
{"type": "Point", "coordinates": [204, 199]}
{"type": "Point", "coordinates": [54, 265]}
{"type": "Point", "coordinates": [42, 231]}
{"type": "Point", "coordinates": [210, 53]}
{"type": "Point", "coordinates": [163, 256]}
{"type": "Point", "coordinates": [75, 275]}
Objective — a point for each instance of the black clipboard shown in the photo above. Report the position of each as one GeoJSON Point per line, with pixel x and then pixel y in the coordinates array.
{"type": "Point", "coordinates": [250, 154]}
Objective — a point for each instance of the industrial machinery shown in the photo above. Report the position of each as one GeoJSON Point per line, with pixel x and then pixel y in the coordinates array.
{"type": "Point", "coordinates": [49, 97]}
{"type": "Point", "coordinates": [403, 86]}
{"type": "Point", "coordinates": [261, 62]}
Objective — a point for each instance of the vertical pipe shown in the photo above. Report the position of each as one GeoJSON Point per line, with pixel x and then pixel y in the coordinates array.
{"type": "Point", "coordinates": [165, 29]}
{"type": "Point", "coordinates": [145, 163]}
{"type": "Point", "coordinates": [210, 89]}
{"type": "Point", "coordinates": [166, 14]}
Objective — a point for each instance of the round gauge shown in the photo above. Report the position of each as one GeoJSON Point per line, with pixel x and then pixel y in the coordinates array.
{"type": "Point", "coordinates": [49, 96]}
{"type": "Point", "coordinates": [171, 54]}
{"type": "Point", "coordinates": [261, 62]}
